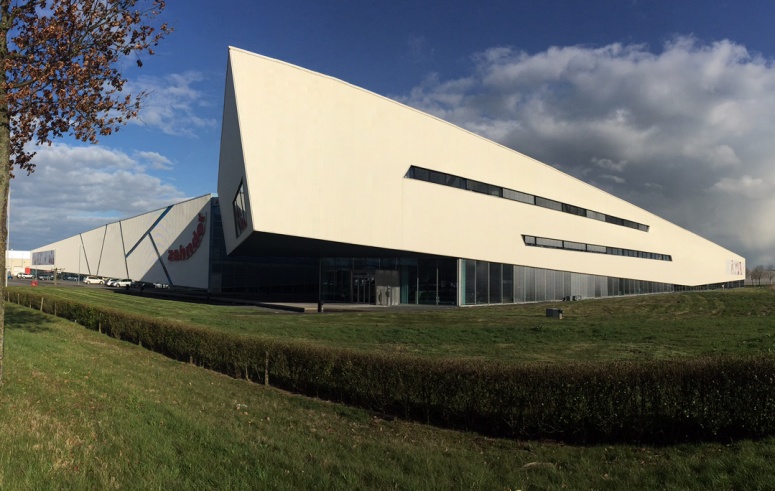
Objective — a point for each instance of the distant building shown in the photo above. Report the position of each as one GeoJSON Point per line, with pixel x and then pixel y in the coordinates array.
{"type": "Point", "coordinates": [328, 189]}
{"type": "Point", "coordinates": [17, 262]}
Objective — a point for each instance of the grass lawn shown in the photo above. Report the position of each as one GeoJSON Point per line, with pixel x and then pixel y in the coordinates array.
{"type": "Point", "coordinates": [639, 327]}
{"type": "Point", "coordinates": [80, 410]}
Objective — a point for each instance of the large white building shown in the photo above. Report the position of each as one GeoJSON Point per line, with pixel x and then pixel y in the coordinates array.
{"type": "Point", "coordinates": [326, 188]}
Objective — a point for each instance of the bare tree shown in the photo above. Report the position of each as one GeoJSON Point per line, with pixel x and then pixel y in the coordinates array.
{"type": "Point", "coordinates": [61, 77]}
{"type": "Point", "coordinates": [757, 273]}
{"type": "Point", "coordinates": [769, 273]}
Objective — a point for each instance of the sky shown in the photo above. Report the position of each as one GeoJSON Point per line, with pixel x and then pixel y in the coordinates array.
{"type": "Point", "coordinates": [668, 104]}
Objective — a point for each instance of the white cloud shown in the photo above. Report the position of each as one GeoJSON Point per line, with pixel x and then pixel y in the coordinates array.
{"type": "Point", "coordinates": [609, 164]}
{"type": "Point", "coordinates": [171, 103]}
{"type": "Point", "coordinates": [746, 187]}
{"type": "Point", "coordinates": [155, 160]}
{"type": "Point", "coordinates": [77, 188]}
{"type": "Point", "coordinates": [616, 179]}
{"type": "Point", "coordinates": [685, 132]}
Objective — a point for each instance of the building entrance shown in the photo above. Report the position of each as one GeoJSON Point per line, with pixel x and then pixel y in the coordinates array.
{"type": "Point", "coordinates": [388, 287]}
{"type": "Point", "coordinates": [363, 287]}
{"type": "Point", "coordinates": [389, 281]}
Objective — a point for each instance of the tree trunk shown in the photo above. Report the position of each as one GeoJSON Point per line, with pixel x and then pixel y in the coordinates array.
{"type": "Point", "coordinates": [5, 171]}
{"type": "Point", "coordinates": [5, 178]}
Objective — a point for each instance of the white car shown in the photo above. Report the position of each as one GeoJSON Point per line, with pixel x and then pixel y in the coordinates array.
{"type": "Point", "coordinates": [124, 282]}
{"type": "Point", "coordinates": [93, 280]}
{"type": "Point", "coordinates": [25, 276]}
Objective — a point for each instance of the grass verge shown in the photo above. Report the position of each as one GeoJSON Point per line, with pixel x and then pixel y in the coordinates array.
{"type": "Point", "coordinates": [83, 411]}
{"type": "Point", "coordinates": [647, 327]}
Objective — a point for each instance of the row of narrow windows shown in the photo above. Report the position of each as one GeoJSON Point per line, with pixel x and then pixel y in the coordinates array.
{"type": "Point", "coordinates": [597, 249]}
{"type": "Point", "coordinates": [422, 174]}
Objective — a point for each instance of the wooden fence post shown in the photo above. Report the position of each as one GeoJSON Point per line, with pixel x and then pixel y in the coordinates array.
{"type": "Point", "coordinates": [266, 368]}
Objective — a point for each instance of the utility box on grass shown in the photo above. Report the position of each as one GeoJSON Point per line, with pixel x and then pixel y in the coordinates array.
{"type": "Point", "coordinates": [554, 313]}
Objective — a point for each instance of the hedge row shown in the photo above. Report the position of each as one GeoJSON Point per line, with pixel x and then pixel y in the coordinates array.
{"type": "Point", "coordinates": [654, 401]}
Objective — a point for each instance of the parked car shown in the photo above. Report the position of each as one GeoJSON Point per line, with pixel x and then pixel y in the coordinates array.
{"type": "Point", "coordinates": [94, 280]}
{"type": "Point", "coordinates": [111, 281]}
{"type": "Point", "coordinates": [122, 283]}
{"type": "Point", "coordinates": [45, 276]}
{"type": "Point", "coordinates": [25, 276]}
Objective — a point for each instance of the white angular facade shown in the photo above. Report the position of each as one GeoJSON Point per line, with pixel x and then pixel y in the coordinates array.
{"type": "Point", "coordinates": [312, 159]}
{"type": "Point", "coordinates": [330, 192]}
{"type": "Point", "coordinates": [170, 246]}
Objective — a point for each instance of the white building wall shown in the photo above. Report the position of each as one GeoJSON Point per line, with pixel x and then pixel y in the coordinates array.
{"type": "Point", "coordinates": [232, 165]}
{"type": "Point", "coordinates": [325, 160]}
{"type": "Point", "coordinates": [17, 261]}
{"type": "Point", "coordinates": [92, 249]}
{"type": "Point", "coordinates": [112, 253]}
{"type": "Point", "coordinates": [139, 248]}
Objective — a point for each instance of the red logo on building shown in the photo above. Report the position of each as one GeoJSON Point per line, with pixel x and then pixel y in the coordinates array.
{"type": "Point", "coordinates": [184, 252]}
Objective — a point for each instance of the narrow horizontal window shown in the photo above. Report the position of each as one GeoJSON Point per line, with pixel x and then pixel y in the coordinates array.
{"type": "Point", "coordinates": [437, 177]}
{"type": "Point", "coordinates": [614, 220]}
{"type": "Point", "coordinates": [476, 186]}
{"type": "Point", "coordinates": [569, 245]}
{"type": "Point", "coordinates": [576, 246]}
{"type": "Point", "coordinates": [574, 210]}
{"type": "Point", "coordinates": [548, 203]}
{"type": "Point", "coordinates": [422, 174]}
{"type": "Point", "coordinates": [517, 196]}
{"type": "Point", "coordinates": [595, 215]}
{"type": "Point", "coordinates": [454, 181]}
{"type": "Point", "coordinates": [543, 242]}
{"type": "Point", "coordinates": [444, 179]}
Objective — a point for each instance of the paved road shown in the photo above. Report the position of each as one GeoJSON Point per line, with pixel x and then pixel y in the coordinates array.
{"type": "Point", "coordinates": [20, 282]}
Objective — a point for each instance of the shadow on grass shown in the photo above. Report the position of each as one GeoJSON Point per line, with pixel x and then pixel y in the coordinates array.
{"type": "Point", "coordinates": [25, 319]}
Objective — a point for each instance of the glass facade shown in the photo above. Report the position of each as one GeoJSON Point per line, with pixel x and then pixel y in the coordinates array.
{"type": "Point", "coordinates": [422, 280]}
{"type": "Point", "coordinates": [488, 283]}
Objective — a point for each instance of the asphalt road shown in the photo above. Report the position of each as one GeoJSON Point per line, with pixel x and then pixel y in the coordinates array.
{"type": "Point", "coordinates": [20, 282]}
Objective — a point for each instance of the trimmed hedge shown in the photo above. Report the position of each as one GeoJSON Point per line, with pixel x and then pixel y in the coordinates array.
{"type": "Point", "coordinates": [654, 401]}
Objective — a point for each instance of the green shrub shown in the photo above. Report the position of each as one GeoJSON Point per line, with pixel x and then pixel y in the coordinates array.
{"type": "Point", "coordinates": [656, 401]}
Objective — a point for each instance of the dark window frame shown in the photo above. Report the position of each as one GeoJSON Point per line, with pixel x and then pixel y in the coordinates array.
{"type": "Point", "coordinates": [450, 180]}
{"type": "Point", "coordinates": [239, 209]}
{"type": "Point", "coordinates": [570, 245]}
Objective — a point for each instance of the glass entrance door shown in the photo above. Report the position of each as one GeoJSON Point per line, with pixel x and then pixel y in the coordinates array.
{"type": "Point", "coordinates": [363, 287]}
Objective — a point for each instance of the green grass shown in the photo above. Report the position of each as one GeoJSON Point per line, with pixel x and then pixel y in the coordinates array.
{"type": "Point", "coordinates": [645, 327]}
{"type": "Point", "coordinates": [80, 410]}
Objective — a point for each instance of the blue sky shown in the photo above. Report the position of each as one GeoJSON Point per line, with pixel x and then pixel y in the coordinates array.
{"type": "Point", "coordinates": [668, 104]}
